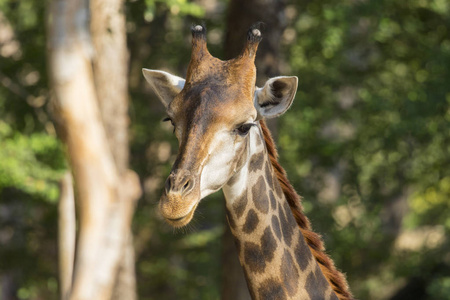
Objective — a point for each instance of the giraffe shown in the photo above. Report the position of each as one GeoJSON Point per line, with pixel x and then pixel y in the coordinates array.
{"type": "Point", "coordinates": [218, 117]}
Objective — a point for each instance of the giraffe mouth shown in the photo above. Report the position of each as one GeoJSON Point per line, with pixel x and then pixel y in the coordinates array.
{"type": "Point", "coordinates": [182, 221]}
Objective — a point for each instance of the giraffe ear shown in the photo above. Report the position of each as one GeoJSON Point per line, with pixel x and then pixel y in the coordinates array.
{"type": "Point", "coordinates": [165, 85]}
{"type": "Point", "coordinates": [276, 96]}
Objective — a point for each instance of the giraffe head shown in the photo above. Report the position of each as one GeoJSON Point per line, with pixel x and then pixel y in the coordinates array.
{"type": "Point", "coordinates": [213, 112]}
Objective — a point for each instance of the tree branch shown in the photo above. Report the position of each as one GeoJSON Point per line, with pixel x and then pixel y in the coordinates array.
{"type": "Point", "coordinates": [66, 235]}
{"type": "Point", "coordinates": [106, 190]}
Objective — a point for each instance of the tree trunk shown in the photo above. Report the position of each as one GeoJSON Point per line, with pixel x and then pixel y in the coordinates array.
{"type": "Point", "coordinates": [9, 285]}
{"type": "Point", "coordinates": [106, 190]}
{"type": "Point", "coordinates": [66, 235]}
{"type": "Point", "coordinates": [111, 80]}
{"type": "Point", "coordinates": [241, 15]}
{"type": "Point", "coordinates": [233, 280]}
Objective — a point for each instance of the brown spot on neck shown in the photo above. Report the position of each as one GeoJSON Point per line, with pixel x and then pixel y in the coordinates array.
{"type": "Point", "coordinates": [240, 204]}
{"type": "Point", "coordinates": [334, 278]}
{"type": "Point", "coordinates": [271, 289]}
{"type": "Point", "coordinates": [289, 273]}
{"type": "Point", "coordinates": [276, 227]}
{"type": "Point", "coordinates": [256, 162]}
{"type": "Point", "coordinates": [251, 222]}
{"type": "Point", "coordinates": [254, 258]}
{"type": "Point", "coordinates": [259, 196]}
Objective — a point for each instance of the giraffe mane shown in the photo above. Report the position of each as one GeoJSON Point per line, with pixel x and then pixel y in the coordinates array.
{"type": "Point", "coordinates": [335, 278]}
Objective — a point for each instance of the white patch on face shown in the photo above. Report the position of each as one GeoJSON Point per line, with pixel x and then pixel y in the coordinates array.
{"type": "Point", "coordinates": [218, 166]}
{"type": "Point", "coordinates": [233, 192]}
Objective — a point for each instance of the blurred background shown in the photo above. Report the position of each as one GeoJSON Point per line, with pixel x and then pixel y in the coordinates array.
{"type": "Point", "coordinates": [366, 142]}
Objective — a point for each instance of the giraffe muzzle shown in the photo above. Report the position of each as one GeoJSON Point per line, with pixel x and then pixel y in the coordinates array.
{"type": "Point", "coordinates": [180, 181]}
{"type": "Point", "coordinates": [180, 198]}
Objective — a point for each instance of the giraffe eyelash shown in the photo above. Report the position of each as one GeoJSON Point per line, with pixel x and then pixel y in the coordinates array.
{"type": "Point", "coordinates": [243, 129]}
{"type": "Point", "coordinates": [166, 119]}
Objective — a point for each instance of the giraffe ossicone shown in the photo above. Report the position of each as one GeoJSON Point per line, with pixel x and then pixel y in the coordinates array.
{"type": "Point", "coordinates": [256, 32]}
{"type": "Point", "coordinates": [218, 117]}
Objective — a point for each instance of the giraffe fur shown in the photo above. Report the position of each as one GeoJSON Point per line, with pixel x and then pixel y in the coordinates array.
{"type": "Point", "coordinates": [218, 117]}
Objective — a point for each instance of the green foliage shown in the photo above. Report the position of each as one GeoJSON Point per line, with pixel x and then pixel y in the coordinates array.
{"type": "Point", "coordinates": [440, 288]}
{"type": "Point", "coordinates": [179, 263]}
{"type": "Point", "coordinates": [31, 157]}
{"type": "Point", "coordinates": [32, 164]}
{"type": "Point", "coordinates": [171, 264]}
{"type": "Point", "coordinates": [176, 7]}
{"type": "Point", "coordinates": [374, 117]}
{"type": "Point", "coordinates": [366, 144]}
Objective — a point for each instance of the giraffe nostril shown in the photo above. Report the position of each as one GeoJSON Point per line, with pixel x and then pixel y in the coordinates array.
{"type": "Point", "coordinates": [179, 182]}
{"type": "Point", "coordinates": [168, 185]}
{"type": "Point", "coordinates": [186, 187]}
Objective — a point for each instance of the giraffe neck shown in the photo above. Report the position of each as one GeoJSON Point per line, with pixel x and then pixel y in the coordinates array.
{"type": "Point", "coordinates": [277, 262]}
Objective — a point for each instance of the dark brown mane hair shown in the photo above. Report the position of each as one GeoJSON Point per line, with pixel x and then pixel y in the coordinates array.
{"type": "Point", "coordinates": [334, 277]}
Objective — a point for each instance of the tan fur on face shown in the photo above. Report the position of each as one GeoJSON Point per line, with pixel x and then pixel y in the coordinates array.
{"type": "Point", "coordinates": [217, 98]}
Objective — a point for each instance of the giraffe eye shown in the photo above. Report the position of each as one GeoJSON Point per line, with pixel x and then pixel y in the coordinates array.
{"type": "Point", "coordinates": [171, 122]}
{"type": "Point", "coordinates": [244, 128]}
